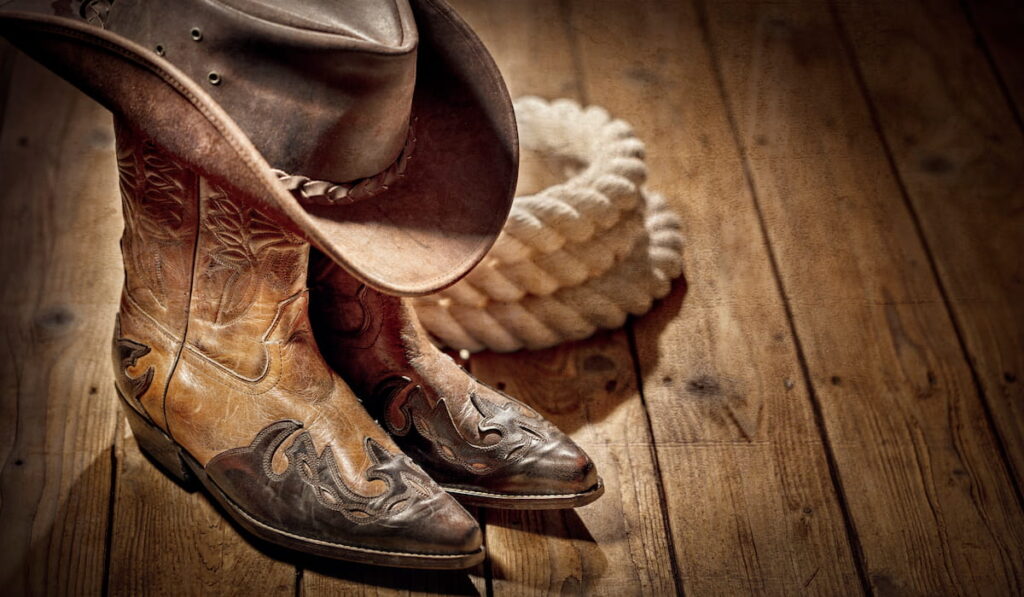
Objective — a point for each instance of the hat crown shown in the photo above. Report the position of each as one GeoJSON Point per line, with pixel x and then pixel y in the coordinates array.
{"type": "Point", "coordinates": [323, 89]}
{"type": "Point", "coordinates": [370, 20]}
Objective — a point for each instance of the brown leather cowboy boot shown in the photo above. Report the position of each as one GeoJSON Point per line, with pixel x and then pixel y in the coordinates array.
{"type": "Point", "coordinates": [223, 382]}
{"type": "Point", "coordinates": [480, 444]}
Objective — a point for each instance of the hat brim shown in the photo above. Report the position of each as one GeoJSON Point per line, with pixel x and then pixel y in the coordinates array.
{"type": "Point", "coordinates": [418, 236]}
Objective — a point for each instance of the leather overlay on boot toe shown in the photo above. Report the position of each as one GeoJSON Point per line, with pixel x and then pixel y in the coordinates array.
{"type": "Point", "coordinates": [513, 453]}
{"type": "Point", "coordinates": [321, 507]}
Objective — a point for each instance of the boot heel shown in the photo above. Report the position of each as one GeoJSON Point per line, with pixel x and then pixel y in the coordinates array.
{"type": "Point", "coordinates": [160, 449]}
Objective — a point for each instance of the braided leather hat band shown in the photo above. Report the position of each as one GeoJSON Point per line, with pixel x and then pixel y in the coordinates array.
{"type": "Point", "coordinates": [309, 191]}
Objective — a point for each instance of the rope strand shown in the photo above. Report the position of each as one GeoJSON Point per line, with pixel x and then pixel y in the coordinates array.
{"type": "Point", "coordinates": [573, 258]}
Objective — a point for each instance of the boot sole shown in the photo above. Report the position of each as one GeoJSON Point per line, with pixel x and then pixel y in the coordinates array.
{"type": "Point", "coordinates": [176, 463]}
{"type": "Point", "coordinates": [510, 501]}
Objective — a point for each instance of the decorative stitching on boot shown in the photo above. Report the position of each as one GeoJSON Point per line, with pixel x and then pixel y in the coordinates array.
{"type": "Point", "coordinates": [243, 239]}
{"type": "Point", "coordinates": [405, 405]}
{"type": "Point", "coordinates": [404, 481]}
{"type": "Point", "coordinates": [393, 394]}
{"type": "Point", "coordinates": [127, 353]}
{"type": "Point", "coordinates": [153, 190]}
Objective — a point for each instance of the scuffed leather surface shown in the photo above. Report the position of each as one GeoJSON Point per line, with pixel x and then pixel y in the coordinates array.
{"type": "Point", "coordinates": [420, 235]}
{"type": "Point", "coordinates": [157, 197]}
{"type": "Point", "coordinates": [159, 202]}
{"type": "Point", "coordinates": [411, 511]}
{"type": "Point", "coordinates": [464, 433]}
{"type": "Point", "coordinates": [356, 76]}
{"type": "Point", "coordinates": [237, 357]}
{"type": "Point", "coordinates": [126, 353]}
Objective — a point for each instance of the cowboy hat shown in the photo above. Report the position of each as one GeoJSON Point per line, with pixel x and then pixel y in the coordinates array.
{"type": "Point", "coordinates": [380, 131]}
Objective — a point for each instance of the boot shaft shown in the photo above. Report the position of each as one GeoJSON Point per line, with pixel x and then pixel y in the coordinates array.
{"type": "Point", "coordinates": [207, 277]}
{"type": "Point", "coordinates": [366, 335]}
{"type": "Point", "coordinates": [213, 341]}
{"type": "Point", "coordinates": [159, 200]}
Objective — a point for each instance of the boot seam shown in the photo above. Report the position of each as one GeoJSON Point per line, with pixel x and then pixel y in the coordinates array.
{"type": "Point", "coordinates": [139, 317]}
{"type": "Point", "coordinates": [197, 198]}
{"type": "Point", "coordinates": [281, 305]}
{"type": "Point", "coordinates": [152, 320]}
{"type": "Point", "coordinates": [477, 492]}
{"type": "Point", "coordinates": [225, 377]}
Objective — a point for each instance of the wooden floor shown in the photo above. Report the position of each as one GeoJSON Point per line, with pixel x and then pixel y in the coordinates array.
{"type": "Point", "coordinates": [833, 404]}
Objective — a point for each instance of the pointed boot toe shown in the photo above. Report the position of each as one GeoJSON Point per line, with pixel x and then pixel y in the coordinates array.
{"type": "Point", "coordinates": [516, 460]}
{"type": "Point", "coordinates": [452, 529]}
{"type": "Point", "coordinates": [487, 448]}
{"type": "Point", "coordinates": [553, 467]}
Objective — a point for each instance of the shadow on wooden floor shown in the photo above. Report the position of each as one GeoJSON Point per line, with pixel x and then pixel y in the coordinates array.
{"type": "Point", "coordinates": [440, 582]}
{"type": "Point", "coordinates": [18, 575]}
{"type": "Point", "coordinates": [585, 381]}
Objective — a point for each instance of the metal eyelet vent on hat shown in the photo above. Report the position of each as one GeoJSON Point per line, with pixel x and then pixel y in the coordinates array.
{"type": "Point", "coordinates": [95, 12]}
{"type": "Point", "coordinates": [159, 49]}
{"type": "Point", "coordinates": [196, 33]}
{"type": "Point", "coordinates": [214, 78]}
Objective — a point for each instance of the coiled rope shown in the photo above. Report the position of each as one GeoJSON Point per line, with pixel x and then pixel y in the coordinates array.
{"type": "Point", "coordinates": [573, 258]}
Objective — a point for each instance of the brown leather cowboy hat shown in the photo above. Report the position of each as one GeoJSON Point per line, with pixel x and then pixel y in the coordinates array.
{"type": "Point", "coordinates": [381, 131]}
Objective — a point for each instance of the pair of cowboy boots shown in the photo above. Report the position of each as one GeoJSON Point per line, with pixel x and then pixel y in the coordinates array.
{"type": "Point", "coordinates": [378, 131]}
{"type": "Point", "coordinates": [237, 377]}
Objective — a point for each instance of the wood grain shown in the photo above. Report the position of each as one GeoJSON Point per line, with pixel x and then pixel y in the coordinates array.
{"type": "Point", "coordinates": [7, 54]}
{"type": "Point", "coordinates": [741, 456]}
{"type": "Point", "coordinates": [929, 495]}
{"type": "Point", "coordinates": [960, 157]}
{"type": "Point", "coordinates": [58, 288]}
{"type": "Point", "coordinates": [618, 545]}
{"type": "Point", "coordinates": [343, 578]}
{"type": "Point", "coordinates": [998, 25]}
{"type": "Point", "coordinates": [166, 541]}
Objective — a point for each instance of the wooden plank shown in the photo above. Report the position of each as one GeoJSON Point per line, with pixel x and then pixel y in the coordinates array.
{"type": "Point", "coordinates": [343, 578]}
{"type": "Point", "coordinates": [57, 407]}
{"type": "Point", "coordinates": [959, 155]}
{"type": "Point", "coordinates": [750, 499]}
{"type": "Point", "coordinates": [167, 541]}
{"type": "Point", "coordinates": [999, 24]}
{"type": "Point", "coordinates": [929, 494]}
{"type": "Point", "coordinates": [7, 54]}
{"type": "Point", "coordinates": [618, 545]}
{"type": "Point", "coordinates": [325, 577]}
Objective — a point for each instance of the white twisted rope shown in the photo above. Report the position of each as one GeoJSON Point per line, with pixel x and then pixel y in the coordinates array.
{"type": "Point", "coordinates": [570, 313]}
{"type": "Point", "coordinates": [573, 258]}
{"type": "Point", "coordinates": [573, 231]}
